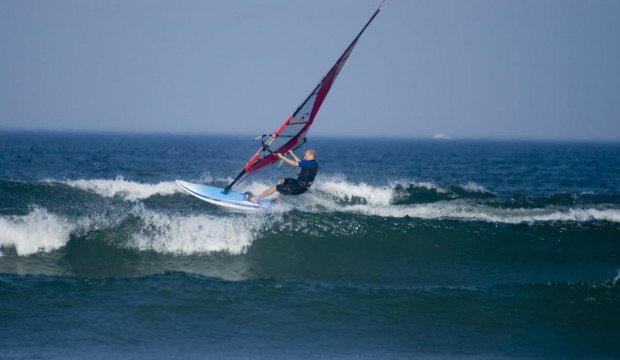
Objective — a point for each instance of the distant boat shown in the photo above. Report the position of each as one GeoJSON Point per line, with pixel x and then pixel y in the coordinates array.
{"type": "Point", "coordinates": [441, 136]}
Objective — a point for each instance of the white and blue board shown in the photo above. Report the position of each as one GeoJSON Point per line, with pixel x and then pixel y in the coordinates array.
{"type": "Point", "coordinates": [216, 195]}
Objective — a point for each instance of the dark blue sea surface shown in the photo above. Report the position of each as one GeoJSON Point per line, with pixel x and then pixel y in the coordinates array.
{"type": "Point", "coordinates": [401, 249]}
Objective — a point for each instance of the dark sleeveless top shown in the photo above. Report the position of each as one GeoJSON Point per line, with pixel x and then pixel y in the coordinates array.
{"type": "Point", "coordinates": [306, 176]}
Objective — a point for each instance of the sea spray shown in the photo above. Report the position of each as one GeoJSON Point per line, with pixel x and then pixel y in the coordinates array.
{"type": "Point", "coordinates": [190, 234]}
{"type": "Point", "coordinates": [128, 190]}
{"type": "Point", "coordinates": [37, 231]}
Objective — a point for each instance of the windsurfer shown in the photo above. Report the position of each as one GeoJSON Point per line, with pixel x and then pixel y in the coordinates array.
{"type": "Point", "coordinates": [309, 168]}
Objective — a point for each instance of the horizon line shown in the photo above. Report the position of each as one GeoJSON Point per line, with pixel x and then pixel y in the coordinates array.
{"type": "Point", "coordinates": [320, 136]}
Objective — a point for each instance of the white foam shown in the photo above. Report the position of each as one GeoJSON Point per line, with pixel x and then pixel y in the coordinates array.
{"type": "Point", "coordinates": [35, 232]}
{"type": "Point", "coordinates": [41, 231]}
{"type": "Point", "coordinates": [329, 193]}
{"type": "Point", "coordinates": [463, 211]}
{"type": "Point", "coordinates": [617, 278]}
{"type": "Point", "coordinates": [428, 186]}
{"type": "Point", "coordinates": [336, 194]}
{"type": "Point", "coordinates": [342, 189]}
{"type": "Point", "coordinates": [191, 234]}
{"type": "Point", "coordinates": [128, 190]}
{"type": "Point", "coordinates": [473, 187]}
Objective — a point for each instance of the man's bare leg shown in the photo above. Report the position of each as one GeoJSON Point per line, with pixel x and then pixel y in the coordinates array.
{"type": "Point", "coordinates": [272, 189]}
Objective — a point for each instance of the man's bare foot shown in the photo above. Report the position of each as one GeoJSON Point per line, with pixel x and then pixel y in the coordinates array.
{"type": "Point", "coordinates": [251, 197]}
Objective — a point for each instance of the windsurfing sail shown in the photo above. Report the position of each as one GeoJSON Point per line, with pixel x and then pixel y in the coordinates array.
{"type": "Point", "coordinates": [292, 133]}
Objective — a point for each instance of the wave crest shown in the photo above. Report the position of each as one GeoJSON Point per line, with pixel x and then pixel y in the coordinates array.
{"type": "Point", "coordinates": [172, 233]}
{"type": "Point", "coordinates": [190, 234]}
{"type": "Point", "coordinates": [128, 190]}
{"type": "Point", "coordinates": [425, 200]}
{"type": "Point", "coordinates": [467, 212]}
{"type": "Point", "coordinates": [35, 232]}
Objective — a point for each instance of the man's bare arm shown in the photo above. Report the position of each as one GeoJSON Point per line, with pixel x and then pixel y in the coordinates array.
{"type": "Point", "coordinates": [287, 160]}
{"type": "Point", "coordinates": [294, 155]}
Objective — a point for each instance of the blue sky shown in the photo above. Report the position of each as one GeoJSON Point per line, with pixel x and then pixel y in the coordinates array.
{"type": "Point", "coordinates": [541, 69]}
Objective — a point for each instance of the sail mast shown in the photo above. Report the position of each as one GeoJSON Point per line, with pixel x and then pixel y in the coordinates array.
{"type": "Point", "coordinates": [292, 132]}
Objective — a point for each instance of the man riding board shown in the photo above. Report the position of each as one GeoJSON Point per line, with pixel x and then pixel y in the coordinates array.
{"type": "Point", "coordinates": [309, 168]}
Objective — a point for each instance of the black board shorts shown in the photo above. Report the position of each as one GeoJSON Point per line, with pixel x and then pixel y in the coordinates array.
{"type": "Point", "coordinates": [291, 187]}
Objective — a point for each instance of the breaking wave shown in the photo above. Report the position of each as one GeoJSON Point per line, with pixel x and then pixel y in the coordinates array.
{"type": "Point", "coordinates": [189, 234]}
{"type": "Point", "coordinates": [159, 217]}
{"type": "Point", "coordinates": [468, 202]}
{"type": "Point", "coordinates": [139, 228]}
{"type": "Point", "coordinates": [128, 190]}
{"type": "Point", "coordinates": [38, 231]}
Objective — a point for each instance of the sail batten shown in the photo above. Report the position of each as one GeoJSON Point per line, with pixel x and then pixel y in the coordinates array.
{"type": "Point", "coordinates": [292, 132]}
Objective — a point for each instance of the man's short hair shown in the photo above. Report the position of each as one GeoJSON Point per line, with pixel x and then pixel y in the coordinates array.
{"type": "Point", "coordinates": [312, 152]}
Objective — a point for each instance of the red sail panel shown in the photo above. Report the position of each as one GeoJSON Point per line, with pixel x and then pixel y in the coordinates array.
{"type": "Point", "coordinates": [293, 131]}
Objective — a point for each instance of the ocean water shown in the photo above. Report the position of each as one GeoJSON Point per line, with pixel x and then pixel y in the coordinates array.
{"type": "Point", "coordinates": [401, 249]}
